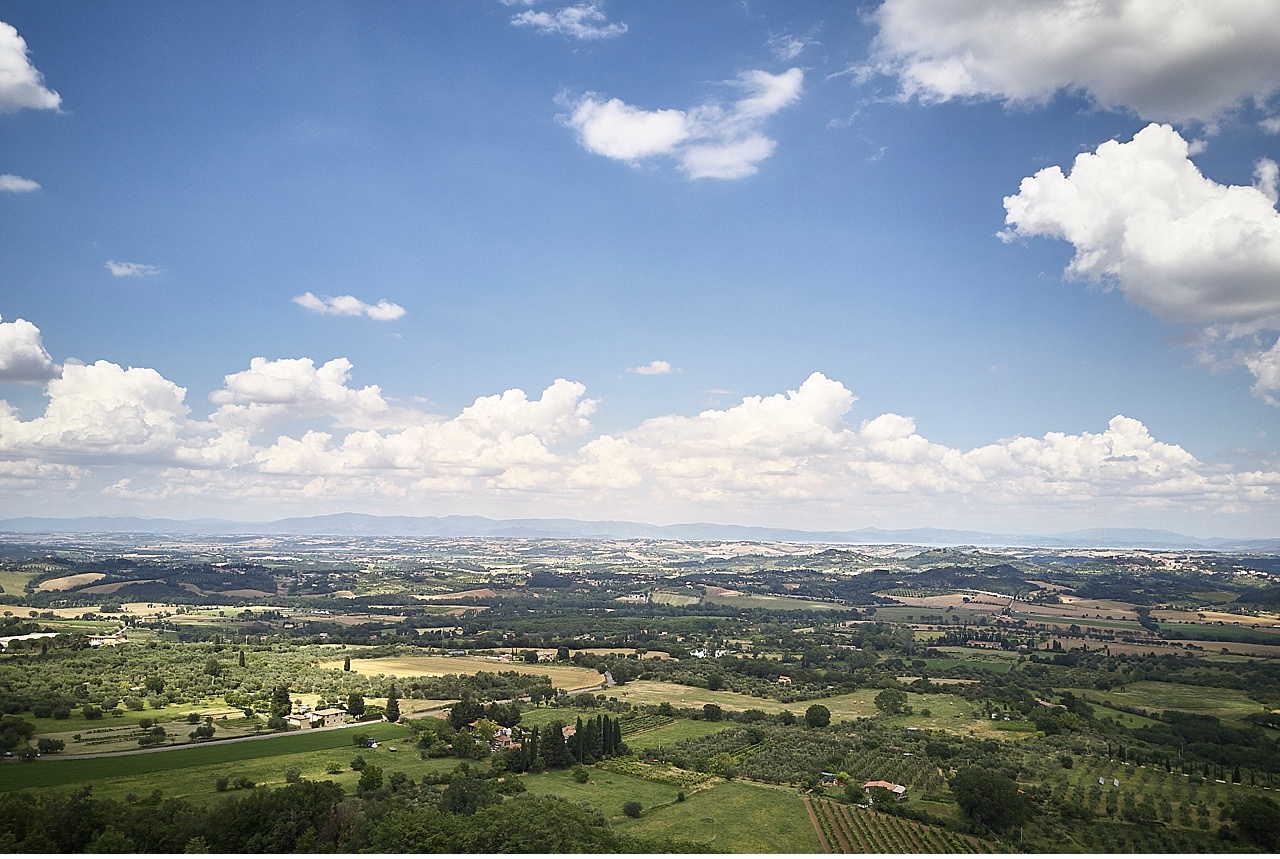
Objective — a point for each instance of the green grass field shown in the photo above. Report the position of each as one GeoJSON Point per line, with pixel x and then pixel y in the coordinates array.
{"type": "Point", "coordinates": [14, 582]}
{"type": "Point", "coordinates": [1241, 632]}
{"type": "Point", "coordinates": [172, 717]}
{"type": "Point", "coordinates": [605, 790]}
{"type": "Point", "coordinates": [732, 817]}
{"type": "Point", "coordinates": [773, 603]}
{"type": "Point", "coordinates": [656, 692]}
{"type": "Point", "coordinates": [1157, 695]}
{"type": "Point", "coordinates": [682, 729]}
{"type": "Point", "coordinates": [261, 760]}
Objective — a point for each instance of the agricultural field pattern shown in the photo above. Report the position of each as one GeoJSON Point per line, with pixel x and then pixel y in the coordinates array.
{"type": "Point", "coordinates": [313, 693]}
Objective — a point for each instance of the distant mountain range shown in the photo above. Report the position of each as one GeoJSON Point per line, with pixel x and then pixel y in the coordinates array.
{"type": "Point", "coordinates": [363, 525]}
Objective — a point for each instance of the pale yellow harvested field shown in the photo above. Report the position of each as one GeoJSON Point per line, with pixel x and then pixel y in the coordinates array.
{"type": "Point", "coordinates": [66, 613]}
{"type": "Point", "coordinates": [568, 677]}
{"type": "Point", "coordinates": [658, 692]}
{"type": "Point", "coordinates": [955, 600]}
{"type": "Point", "coordinates": [1216, 617]}
{"type": "Point", "coordinates": [1076, 607]}
{"type": "Point", "coordinates": [947, 712]}
{"type": "Point", "coordinates": [478, 593]}
{"type": "Point", "coordinates": [667, 598]}
{"type": "Point", "coordinates": [66, 583]}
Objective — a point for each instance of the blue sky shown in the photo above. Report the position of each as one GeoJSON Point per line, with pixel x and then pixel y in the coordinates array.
{"type": "Point", "coordinates": [819, 265]}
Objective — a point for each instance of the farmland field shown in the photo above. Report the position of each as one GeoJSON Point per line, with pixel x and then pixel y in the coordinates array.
{"type": "Point", "coordinates": [732, 817]}
{"type": "Point", "coordinates": [757, 772]}
{"type": "Point", "coordinates": [261, 760]}
{"type": "Point", "coordinates": [605, 790]}
{"type": "Point", "coordinates": [772, 603]}
{"type": "Point", "coordinates": [657, 692]}
{"type": "Point", "coordinates": [681, 729]}
{"type": "Point", "coordinates": [562, 676]}
{"type": "Point", "coordinates": [850, 829]}
{"type": "Point", "coordinates": [1157, 695]}
{"type": "Point", "coordinates": [68, 582]}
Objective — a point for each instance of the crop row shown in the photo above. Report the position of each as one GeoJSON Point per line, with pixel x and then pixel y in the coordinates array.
{"type": "Point", "coordinates": [634, 723]}
{"type": "Point", "coordinates": [849, 829]}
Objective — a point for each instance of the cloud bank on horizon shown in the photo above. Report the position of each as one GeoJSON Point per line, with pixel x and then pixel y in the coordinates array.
{"type": "Point", "coordinates": [1189, 90]}
{"type": "Point", "coordinates": [129, 433]}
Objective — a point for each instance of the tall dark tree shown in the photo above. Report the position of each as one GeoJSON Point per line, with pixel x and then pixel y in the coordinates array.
{"type": "Point", "coordinates": [990, 797]}
{"type": "Point", "coordinates": [576, 743]}
{"type": "Point", "coordinates": [1258, 818]}
{"type": "Point", "coordinates": [281, 703]}
{"type": "Point", "coordinates": [552, 747]}
{"type": "Point", "coordinates": [465, 711]}
{"type": "Point", "coordinates": [392, 711]}
{"type": "Point", "coordinates": [817, 716]}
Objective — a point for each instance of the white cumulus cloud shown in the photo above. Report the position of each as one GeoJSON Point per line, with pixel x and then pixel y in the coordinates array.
{"type": "Point", "coordinates": [21, 84]}
{"type": "Point", "coordinates": [1176, 243]}
{"type": "Point", "coordinates": [797, 450]}
{"type": "Point", "coordinates": [22, 354]}
{"type": "Point", "coordinates": [584, 21]}
{"type": "Point", "coordinates": [708, 141]}
{"type": "Point", "coordinates": [1144, 220]}
{"type": "Point", "coordinates": [653, 368]}
{"type": "Point", "coordinates": [349, 305]}
{"type": "Point", "coordinates": [795, 456]}
{"type": "Point", "coordinates": [271, 392]}
{"type": "Point", "coordinates": [1175, 60]}
{"type": "Point", "coordinates": [11, 184]}
{"type": "Point", "coordinates": [102, 409]}
{"type": "Point", "coordinates": [1265, 367]}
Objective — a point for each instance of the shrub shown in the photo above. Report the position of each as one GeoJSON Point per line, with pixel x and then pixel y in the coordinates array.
{"type": "Point", "coordinates": [222, 783]}
{"type": "Point", "coordinates": [293, 774]}
{"type": "Point", "coordinates": [632, 808]}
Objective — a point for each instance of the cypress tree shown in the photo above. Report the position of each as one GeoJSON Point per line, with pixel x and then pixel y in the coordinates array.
{"type": "Point", "coordinates": [577, 743]}
{"type": "Point", "coordinates": [531, 744]}
{"type": "Point", "coordinates": [393, 706]}
{"type": "Point", "coordinates": [555, 752]}
{"type": "Point", "coordinates": [597, 738]}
